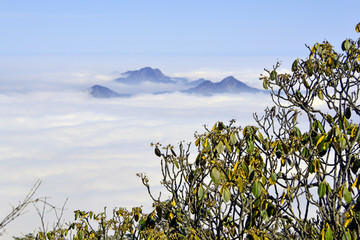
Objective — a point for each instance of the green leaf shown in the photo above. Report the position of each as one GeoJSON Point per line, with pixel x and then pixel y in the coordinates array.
{"type": "Point", "coordinates": [227, 145]}
{"type": "Point", "coordinates": [80, 234]}
{"type": "Point", "coordinates": [220, 147]}
{"type": "Point", "coordinates": [345, 45]}
{"type": "Point", "coordinates": [346, 236]}
{"type": "Point", "coordinates": [256, 189]}
{"type": "Point", "coordinates": [294, 66]}
{"type": "Point", "coordinates": [347, 195]}
{"type": "Point", "coordinates": [272, 179]}
{"type": "Point", "coordinates": [215, 176]}
{"type": "Point", "coordinates": [328, 234]}
{"type": "Point", "coordinates": [226, 194]}
{"type": "Point", "coordinates": [305, 152]}
{"type": "Point", "coordinates": [200, 192]}
{"type": "Point", "coordinates": [299, 95]}
{"type": "Point", "coordinates": [233, 139]}
{"type": "Point", "coordinates": [176, 163]}
{"type": "Point", "coordinates": [320, 95]}
{"type": "Point", "coordinates": [322, 189]}
{"type": "Point", "coordinates": [265, 84]}
{"type": "Point", "coordinates": [342, 142]}
{"type": "Point", "coordinates": [273, 75]}
{"type": "Point", "coordinates": [311, 167]}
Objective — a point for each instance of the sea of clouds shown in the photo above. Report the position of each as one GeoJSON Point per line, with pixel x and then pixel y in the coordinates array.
{"type": "Point", "coordinates": [89, 150]}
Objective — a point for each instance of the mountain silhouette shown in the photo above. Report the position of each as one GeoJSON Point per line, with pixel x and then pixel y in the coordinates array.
{"type": "Point", "coordinates": [99, 91]}
{"type": "Point", "coordinates": [146, 74]}
{"type": "Point", "coordinates": [227, 85]}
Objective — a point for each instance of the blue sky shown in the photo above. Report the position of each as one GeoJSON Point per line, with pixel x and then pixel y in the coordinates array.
{"type": "Point", "coordinates": [52, 36]}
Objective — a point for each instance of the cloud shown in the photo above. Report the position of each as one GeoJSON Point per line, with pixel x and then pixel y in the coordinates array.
{"type": "Point", "coordinates": [90, 150]}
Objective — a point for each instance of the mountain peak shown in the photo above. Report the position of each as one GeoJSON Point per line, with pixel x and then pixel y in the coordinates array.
{"type": "Point", "coordinates": [142, 75]}
{"type": "Point", "coordinates": [227, 85]}
{"type": "Point", "coordinates": [99, 91]}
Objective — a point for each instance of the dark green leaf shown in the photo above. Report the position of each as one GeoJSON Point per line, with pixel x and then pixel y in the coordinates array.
{"type": "Point", "coordinates": [294, 66]}
{"type": "Point", "coordinates": [256, 189]}
{"type": "Point", "coordinates": [347, 113]}
{"type": "Point", "coordinates": [305, 152]}
{"type": "Point", "coordinates": [157, 152]}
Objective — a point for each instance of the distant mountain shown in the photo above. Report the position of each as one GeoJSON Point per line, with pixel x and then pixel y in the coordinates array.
{"type": "Point", "coordinates": [144, 74]}
{"type": "Point", "coordinates": [227, 85]}
{"type": "Point", "coordinates": [196, 82]}
{"type": "Point", "coordinates": [169, 84]}
{"type": "Point", "coordinates": [99, 91]}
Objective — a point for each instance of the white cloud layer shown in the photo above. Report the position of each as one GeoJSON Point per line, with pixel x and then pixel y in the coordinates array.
{"type": "Point", "coordinates": [90, 150]}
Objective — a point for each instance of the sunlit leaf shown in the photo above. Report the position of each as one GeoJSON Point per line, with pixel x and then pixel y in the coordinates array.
{"type": "Point", "coordinates": [197, 141]}
{"type": "Point", "coordinates": [215, 176]}
{"type": "Point", "coordinates": [200, 192]}
{"type": "Point", "coordinates": [226, 194]}
{"type": "Point", "coordinates": [220, 147]}
{"type": "Point", "coordinates": [347, 195]}
{"type": "Point", "coordinates": [233, 139]}
{"type": "Point", "coordinates": [329, 234]}
{"type": "Point", "coordinates": [345, 45]}
{"type": "Point", "coordinates": [342, 142]}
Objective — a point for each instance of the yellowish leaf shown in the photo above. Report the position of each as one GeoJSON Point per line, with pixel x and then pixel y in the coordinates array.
{"type": "Point", "coordinates": [357, 28]}
{"type": "Point", "coordinates": [356, 183]}
{"type": "Point", "coordinates": [236, 166]}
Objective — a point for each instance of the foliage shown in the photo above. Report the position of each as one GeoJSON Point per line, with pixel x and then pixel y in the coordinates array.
{"type": "Point", "coordinates": [275, 180]}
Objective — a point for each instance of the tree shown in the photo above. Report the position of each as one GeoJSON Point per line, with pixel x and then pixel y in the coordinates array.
{"type": "Point", "coordinates": [277, 179]}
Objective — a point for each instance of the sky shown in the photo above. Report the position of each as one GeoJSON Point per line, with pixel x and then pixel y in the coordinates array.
{"type": "Point", "coordinates": [89, 150]}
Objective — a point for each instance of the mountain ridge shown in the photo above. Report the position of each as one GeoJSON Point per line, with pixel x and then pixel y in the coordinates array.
{"type": "Point", "coordinates": [154, 75]}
